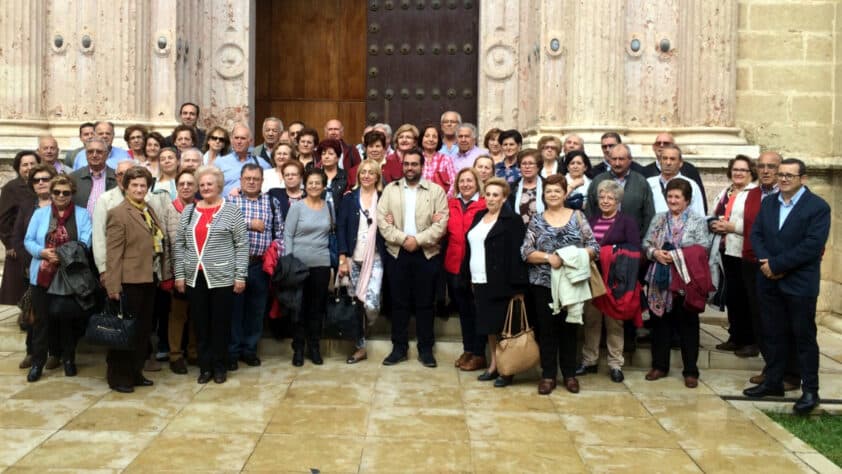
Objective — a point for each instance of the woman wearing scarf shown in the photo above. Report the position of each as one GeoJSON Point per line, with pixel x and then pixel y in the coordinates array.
{"type": "Point", "coordinates": [50, 228]}
{"type": "Point", "coordinates": [525, 198]}
{"type": "Point", "coordinates": [135, 258]}
{"type": "Point", "coordinates": [360, 245]}
{"type": "Point", "coordinates": [668, 244]}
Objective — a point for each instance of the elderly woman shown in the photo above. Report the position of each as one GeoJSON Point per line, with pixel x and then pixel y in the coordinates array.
{"type": "Point", "coordinates": [550, 148]}
{"type": "Point", "coordinates": [275, 178]}
{"type": "Point", "coordinates": [611, 229]}
{"type": "Point", "coordinates": [525, 198]}
{"type": "Point", "coordinates": [15, 195]}
{"type": "Point", "coordinates": [511, 142]}
{"type": "Point", "coordinates": [555, 228]}
{"type": "Point", "coordinates": [167, 169]}
{"type": "Point", "coordinates": [306, 236]}
{"type": "Point", "coordinates": [484, 166]}
{"type": "Point", "coordinates": [135, 137]}
{"type": "Point", "coordinates": [184, 137]}
{"type": "Point", "coordinates": [217, 143]}
{"type": "Point", "coordinates": [155, 142]}
{"type": "Point", "coordinates": [135, 259]}
{"type": "Point", "coordinates": [406, 138]}
{"type": "Point", "coordinates": [308, 140]}
{"type": "Point", "coordinates": [578, 165]}
{"type": "Point", "coordinates": [463, 208]}
{"type": "Point", "coordinates": [211, 260]}
{"type": "Point", "coordinates": [438, 167]}
{"type": "Point", "coordinates": [729, 207]}
{"type": "Point", "coordinates": [39, 181]}
{"type": "Point", "coordinates": [495, 270]}
{"type": "Point", "coordinates": [50, 228]}
{"type": "Point", "coordinates": [360, 246]}
{"type": "Point", "coordinates": [293, 191]}
{"type": "Point", "coordinates": [391, 168]}
{"type": "Point", "coordinates": [490, 142]}
{"type": "Point", "coordinates": [329, 152]}
{"type": "Point", "coordinates": [678, 229]}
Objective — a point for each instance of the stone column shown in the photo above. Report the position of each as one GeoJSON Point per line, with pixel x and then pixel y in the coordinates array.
{"type": "Point", "coordinates": [708, 51]}
{"type": "Point", "coordinates": [498, 99]}
{"type": "Point", "coordinates": [21, 59]}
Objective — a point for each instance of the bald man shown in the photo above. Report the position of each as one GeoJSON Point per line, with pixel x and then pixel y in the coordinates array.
{"type": "Point", "coordinates": [350, 157]}
{"type": "Point", "coordinates": [232, 163]}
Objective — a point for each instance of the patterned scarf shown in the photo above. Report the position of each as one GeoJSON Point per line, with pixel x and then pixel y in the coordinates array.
{"type": "Point", "coordinates": [659, 276]}
{"type": "Point", "coordinates": [57, 236]}
{"type": "Point", "coordinates": [157, 235]}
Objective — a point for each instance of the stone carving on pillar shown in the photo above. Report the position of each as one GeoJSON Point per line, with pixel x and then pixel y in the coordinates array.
{"type": "Point", "coordinates": [498, 84]}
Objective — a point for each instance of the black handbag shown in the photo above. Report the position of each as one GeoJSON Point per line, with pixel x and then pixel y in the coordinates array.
{"type": "Point", "coordinates": [108, 328]}
{"type": "Point", "coordinates": [342, 317]}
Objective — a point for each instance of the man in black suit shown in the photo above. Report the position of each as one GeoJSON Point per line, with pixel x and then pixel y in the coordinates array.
{"type": "Point", "coordinates": [608, 141]}
{"type": "Point", "coordinates": [788, 238]}
{"type": "Point", "coordinates": [687, 169]}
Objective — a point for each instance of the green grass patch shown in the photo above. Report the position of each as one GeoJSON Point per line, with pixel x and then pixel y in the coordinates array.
{"type": "Point", "coordinates": [822, 432]}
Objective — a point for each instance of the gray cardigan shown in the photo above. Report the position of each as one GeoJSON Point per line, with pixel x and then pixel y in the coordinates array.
{"type": "Point", "coordinates": [225, 255]}
{"type": "Point", "coordinates": [306, 234]}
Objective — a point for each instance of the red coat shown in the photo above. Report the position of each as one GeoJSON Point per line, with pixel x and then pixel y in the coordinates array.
{"type": "Point", "coordinates": [458, 225]}
{"type": "Point", "coordinates": [752, 208]}
{"type": "Point", "coordinates": [696, 292]}
{"type": "Point", "coordinates": [392, 170]}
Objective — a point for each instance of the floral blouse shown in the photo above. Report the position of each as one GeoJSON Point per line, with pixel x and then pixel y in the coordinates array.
{"type": "Point", "coordinates": [542, 237]}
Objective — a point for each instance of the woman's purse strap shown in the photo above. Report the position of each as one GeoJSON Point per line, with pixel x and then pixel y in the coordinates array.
{"type": "Point", "coordinates": [524, 321]}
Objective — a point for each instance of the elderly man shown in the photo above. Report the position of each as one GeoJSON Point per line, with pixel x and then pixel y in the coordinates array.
{"type": "Point", "coordinates": [105, 132]}
{"type": "Point", "coordinates": [191, 159]}
{"type": "Point", "coordinates": [272, 128]}
{"type": "Point", "coordinates": [466, 139]}
{"type": "Point", "coordinates": [48, 149]}
{"type": "Point", "coordinates": [608, 141]}
{"type": "Point", "coordinates": [86, 132]}
{"type": "Point", "coordinates": [95, 178]}
{"type": "Point", "coordinates": [637, 195]}
{"type": "Point", "coordinates": [671, 161]}
{"type": "Point", "coordinates": [687, 169]}
{"type": "Point", "coordinates": [232, 163]}
{"type": "Point", "coordinates": [412, 242]}
{"type": "Point", "coordinates": [572, 142]}
{"type": "Point", "coordinates": [350, 158]}
{"type": "Point", "coordinates": [789, 237]}
{"type": "Point", "coordinates": [450, 122]}
{"type": "Point", "coordinates": [294, 129]}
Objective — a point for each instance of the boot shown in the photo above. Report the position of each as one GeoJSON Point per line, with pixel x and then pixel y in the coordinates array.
{"type": "Point", "coordinates": [35, 373]}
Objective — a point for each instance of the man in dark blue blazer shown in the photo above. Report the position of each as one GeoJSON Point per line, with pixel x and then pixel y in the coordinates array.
{"type": "Point", "coordinates": [788, 238]}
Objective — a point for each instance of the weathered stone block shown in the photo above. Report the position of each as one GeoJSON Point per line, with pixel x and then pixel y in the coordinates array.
{"type": "Point", "coordinates": [819, 48]}
{"type": "Point", "coordinates": [742, 15]}
{"type": "Point", "coordinates": [743, 78]}
{"type": "Point", "coordinates": [771, 46]}
{"type": "Point", "coordinates": [812, 109]}
{"type": "Point", "coordinates": [791, 139]}
{"type": "Point", "coordinates": [787, 78]}
{"type": "Point", "coordinates": [761, 107]}
{"type": "Point", "coordinates": [792, 16]}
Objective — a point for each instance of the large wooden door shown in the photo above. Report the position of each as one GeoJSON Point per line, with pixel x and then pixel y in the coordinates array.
{"type": "Point", "coordinates": [422, 60]}
{"type": "Point", "coordinates": [310, 63]}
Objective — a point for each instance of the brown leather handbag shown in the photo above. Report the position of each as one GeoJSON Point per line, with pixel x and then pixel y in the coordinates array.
{"type": "Point", "coordinates": [597, 285]}
{"type": "Point", "coordinates": [519, 352]}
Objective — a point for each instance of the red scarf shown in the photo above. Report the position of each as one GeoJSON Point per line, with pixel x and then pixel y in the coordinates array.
{"type": "Point", "coordinates": [55, 238]}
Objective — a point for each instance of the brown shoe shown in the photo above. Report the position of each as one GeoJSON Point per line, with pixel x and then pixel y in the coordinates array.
{"type": "Point", "coordinates": [655, 374]}
{"type": "Point", "coordinates": [465, 357]}
{"type": "Point", "coordinates": [151, 365]}
{"type": "Point", "coordinates": [358, 356]}
{"type": "Point", "coordinates": [546, 386]}
{"type": "Point", "coordinates": [26, 362]}
{"type": "Point", "coordinates": [691, 382]}
{"type": "Point", "coordinates": [52, 363]}
{"type": "Point", "coordinates": [571, 384]}
{"type": "Point", "coordinates": [758, 379]}
{"type": "Point", "coordinates": [473, 363]}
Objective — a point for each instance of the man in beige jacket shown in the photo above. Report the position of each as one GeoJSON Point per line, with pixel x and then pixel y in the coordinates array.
{"type": "Point", "coordinates": [417, 219]}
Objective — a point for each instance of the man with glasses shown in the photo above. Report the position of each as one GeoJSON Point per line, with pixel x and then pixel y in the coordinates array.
{"type": "Point", "coordinates": [95, 178]}
{"type": "Point", "coordinates": [608, 141]}
{"type": "Point", "coordinates": [687, 169]}
{"type": "Point", "coordinates": [105, 132]}
{"type": "Point", "coordinates": [466, 140]}
{"type": "Point", "coordinates": [788, 238]}
{"type": "Point", "coordinates": [450, 122]}
{"type": "Point", "coordinates": [264, 224]}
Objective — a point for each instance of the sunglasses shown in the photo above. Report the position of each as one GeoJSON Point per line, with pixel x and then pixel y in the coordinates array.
{"type": "Point", "coordinates": [60, 192]}
{"type": "Point", "coordinates": [216, 139]}
{"type": "Point", "coordinates": [41, 180]}
{"type": "Point", "coordinates": [368, 219]}
{"type": "Point", "coordinates": [663, 143]}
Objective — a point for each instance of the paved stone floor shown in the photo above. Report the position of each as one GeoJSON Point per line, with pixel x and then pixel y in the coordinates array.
{"type": "Point", "coordinates": [406, 418]}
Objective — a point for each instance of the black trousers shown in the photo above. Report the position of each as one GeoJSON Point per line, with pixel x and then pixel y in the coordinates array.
{"type": "Point", "coordinates": [462, 295]}
{"type": "Point", "coordinates": [308, 327]}
{"type": "Point", "coordinates": [54, 334]}
{"type": "Point", "coordinates": [162, 319]}
{"type": "Point", "coordinates": [556, 338]}
{"type": "Point", "coordinates": [124, 367]}
{"type": "Point", "coordinates": [687, 325]}
{"type": "Point", "coordinates": [740, 327]}
{"type": "Point", "coordinates": [789, 322]}
{"type": "Point", "coordinates": [412, 280]}
{"type": "Point", "coordinates": [210, 310]}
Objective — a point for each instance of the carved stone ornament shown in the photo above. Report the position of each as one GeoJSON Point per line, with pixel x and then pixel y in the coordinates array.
{"type": "Point", "coordinates": [499, 61]}
{"type": "Point", "coordinates": [229, 61]}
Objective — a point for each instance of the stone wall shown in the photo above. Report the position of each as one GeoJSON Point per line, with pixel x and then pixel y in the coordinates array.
{"type": "Point", "coordinates": [789, 91]}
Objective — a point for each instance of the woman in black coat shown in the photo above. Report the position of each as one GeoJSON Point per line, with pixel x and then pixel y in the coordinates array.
{"type": "Point", "coordinates": [15, 195]}
{"type": "Point", "coordinates": [493, 263]}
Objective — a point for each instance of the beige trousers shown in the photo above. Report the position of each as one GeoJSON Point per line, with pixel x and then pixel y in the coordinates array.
{"type": "Point", "coordinates": [594, 320]}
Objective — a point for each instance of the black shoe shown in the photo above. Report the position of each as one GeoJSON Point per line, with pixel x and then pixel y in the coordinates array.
{"type": "Point", "coordinates": [616, 375]}
{"type": "Point", "coordinates": [232, 365]}
{"type": "Point", "coordinates": [220, 377]}
{"type": "Point", "coordinates": [503, 381]}
{"type": "Point", "coordinates": [488, 376]}
{"type": "Point", "coordinates": [427, 359]}
{"type": "Point", "coordinates": [143, 382]}
{"type": "Point", "coordinates": [315, 355]}
{"type": "Point", "coordinates": [122, 388]}
{"type": "Point", "coordinates": [178, 366]}
{"type": "Point", "coordinates": [205, 377]}
{"type": "Point", "coordinates": [806, 404]}
{"type": "Point", "coordinates": [70, 368]}
{"type": "Point", "coordinates": [760, 391]}
{"type": "Point", "coordinates": [394, 357]}
{"type": "Point", "coordinates": [298, 358]}
{"type": "Point", "coordinates": [35, 373]}
{"type": "Point", "coordinates": [586, 369]}
{"type": "Point", "coordinates": [728, 346]}
{"type": "Point", "coordinates": [251, 361]}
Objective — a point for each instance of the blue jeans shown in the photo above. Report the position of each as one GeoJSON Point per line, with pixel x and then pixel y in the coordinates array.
{"type": "Point", "coordinates": [247, 314]}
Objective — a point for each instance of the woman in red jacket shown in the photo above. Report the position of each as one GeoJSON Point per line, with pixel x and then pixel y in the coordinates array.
{"type": "Point", "coordinates": [463, 207]}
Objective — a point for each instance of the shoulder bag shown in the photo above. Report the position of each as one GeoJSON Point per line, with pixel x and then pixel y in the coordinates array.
{"type": "Point", "coordinates": [519, 352]}
{"type": "Point", "coordinates": [111, 329]}
{"type": "Point", "coordinates": [342, 315]}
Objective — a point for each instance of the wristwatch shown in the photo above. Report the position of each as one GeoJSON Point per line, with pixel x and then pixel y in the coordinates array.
{"type": "Point", "coordinates": [547, 256]}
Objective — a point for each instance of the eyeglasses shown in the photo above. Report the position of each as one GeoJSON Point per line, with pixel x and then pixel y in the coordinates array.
{"type": "Point", "coordinates": [185, 184]}
{"type": "Point", "coordinates": [788, 176]}
{"type": "Point", "coordinates": [551, 147]}
{"type": "Point", "coordinates": [214, 138]}
{"type": "Point", "coordinates": [663, 143]}
{"type": "Point", "coordinates": [136, 137]}
{"type": "Point", "coordinates": [61, 192]}
{"type": "Point", "coordinates": [252, 179]}
{"type": "Point", "coordinates": [41, 179]}
{"type": "Point", "coordinates": [740, 170]}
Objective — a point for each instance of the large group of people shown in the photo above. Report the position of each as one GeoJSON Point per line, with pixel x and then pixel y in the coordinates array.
{"type": "Point", "coordinates": [188, 233]}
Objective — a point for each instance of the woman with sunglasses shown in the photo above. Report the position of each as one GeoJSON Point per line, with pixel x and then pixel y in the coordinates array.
{"type": "Point", "coordinates": [217, 144]}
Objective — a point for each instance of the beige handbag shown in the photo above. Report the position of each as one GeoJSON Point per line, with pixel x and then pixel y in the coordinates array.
{"type": "Point", "coordinates": [597, 285]}
{"type": "Point", "coordinates": [519, 352]}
